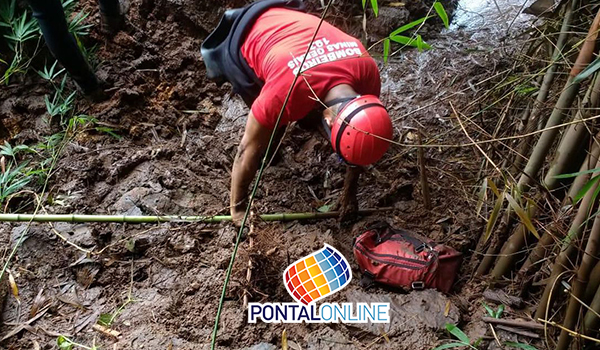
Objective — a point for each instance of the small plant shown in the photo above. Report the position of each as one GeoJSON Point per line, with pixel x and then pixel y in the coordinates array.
{"type": "Point", "coordinates": [415, 40]}
{"type": "Point", "coordinates": [464, 340]}
{"type": "Point", "coordinates": [51, 74]}
{"type": "Point", "coordinates": [494, 313]}
{"type": "Point", "coordinates": [65, 343]}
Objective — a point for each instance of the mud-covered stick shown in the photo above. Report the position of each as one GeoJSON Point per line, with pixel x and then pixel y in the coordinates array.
{"type": "Point", "coordinates": [82, 218]}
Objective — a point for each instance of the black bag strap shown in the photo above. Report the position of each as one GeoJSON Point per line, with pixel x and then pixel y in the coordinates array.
{"type": "Point", "coordinates": [389, 232]}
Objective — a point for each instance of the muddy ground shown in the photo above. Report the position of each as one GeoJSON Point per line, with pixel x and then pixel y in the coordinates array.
{"type": "Point", "coordinates": [179, 136]}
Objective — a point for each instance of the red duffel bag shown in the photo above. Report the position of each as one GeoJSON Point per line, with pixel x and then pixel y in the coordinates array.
{"type": "Point", "coordinates": [398, 258]}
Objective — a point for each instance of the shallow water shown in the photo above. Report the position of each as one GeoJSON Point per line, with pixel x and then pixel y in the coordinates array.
{"type": "Point", "coordinates": [489, 14]}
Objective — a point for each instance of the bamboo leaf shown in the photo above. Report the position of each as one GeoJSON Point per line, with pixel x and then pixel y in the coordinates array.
{"type": "Point", "coordinates": [588, 71]}
{"type": "Point", "coordinates": [375, 7]}
{"type": "Point", "coordinates": [520, 345]}
{"type": "Point", "coordinates": [460, 335]}
{"type": "Point", "coordinates": [409, 26]}
{"type": "Point", "coordinates": [13, 286]}
{"type": "Point", "coordinates": [593, 181]}
{"type": "Point", "coordinates": [439, 8]}
{"type": "Point", "coordinates": [566, 176]}
{"type": "Point", "coordinates": [488, 309]}
{"type": "Point", "coordinates": [522, 215]}
{"type": "Point", "coordinates": [500, 311]}
{"type": "Point", "coordinates": [284, 342]}
{"type": "Point", "coordinates": [386, 50]}
{"type": "Point", "coordinates": [409, 41]}
{"type": "Point", "coordinates": [493, 217]}
{"type": "Point", "coordinates": [482, 195]}
{"type": "Point", "coordinates": [420, 43]}
{"type": "Point", "coordinates": [493, 187]}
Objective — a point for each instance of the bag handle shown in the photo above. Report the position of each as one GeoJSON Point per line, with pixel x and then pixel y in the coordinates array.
{"type": "Point", "coordinates": [390, 231]}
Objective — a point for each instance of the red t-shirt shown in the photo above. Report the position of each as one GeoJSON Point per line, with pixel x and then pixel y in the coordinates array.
{"type": "Point", "coordinates": [274, 48]}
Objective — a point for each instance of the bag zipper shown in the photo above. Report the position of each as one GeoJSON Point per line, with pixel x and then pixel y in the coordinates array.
{"type": "Point", "coordinates": [372, 256]}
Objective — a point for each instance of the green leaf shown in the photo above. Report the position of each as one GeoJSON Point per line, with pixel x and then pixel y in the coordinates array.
{"type": "Point", "coordinates": [493, 217]}
{"type": "Point", "coordinates": [105, 320]}
{"type": "Point", "coordinates": [584, 190]}
{"type": "Point", "coordinates": [450, 346]}
{"type": "Point", "coordinates": [589, 70]}
{"type": "Point", "coordinates": [364, 3]}
{"type": "Point", "coordinates": [522, 215]}
{"type": "Point", "coordinates": [386, 49]}
{"type": "Point", "coordinates": [494, 188]}
{"type": "Point", "coordinates": [488, 309]}
{"type": "Point", "coordinates": [324, 208]}
{"type": "Point", "coordinates": [460, 335]}
{"type": "Point", "coordinates": [439, 8]}
{"type": "Point", "coordinates": [64, 343]}
{"type": "Point", "coordinates": [500, 311]}
{"type": "Point", "coordinates": [408, 26]}
{"type": "Point", "coordinates": [482, 195]}
{"type": "Point", "coordinates": [409, 41]}
{"type": "Point", "coordinates": [567, 176]}
{"type": "Point", "coordinates": [420, 43]}
{"type": "Point", "coordinates": [375, 7]}
{"type": "Point", "coordinates": [519, 345]}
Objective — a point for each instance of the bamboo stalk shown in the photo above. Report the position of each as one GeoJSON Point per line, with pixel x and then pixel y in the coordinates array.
{"type": "Point", "coordinates": [581, 280]}
{"type": "Point", "coordinates": [593, 284]}
{"type": "Point", "coordinates": [542, 95]}
{"type": "Point", "coordinates": [567, 255]}
{"type": "Point", "coordinates": [591, 320]}
{"type": "Point", "coordinates": [566, 154]}
{"type": "Point", "coordinates": [547, 241]}
{"type": "Point", "coordinates": [173, 218]}
{"type": "Point", "coordinates": [576, 136]}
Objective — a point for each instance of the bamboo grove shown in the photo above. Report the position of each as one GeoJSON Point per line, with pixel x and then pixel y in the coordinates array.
{"type": "Point", "coordinates": [542, 237]}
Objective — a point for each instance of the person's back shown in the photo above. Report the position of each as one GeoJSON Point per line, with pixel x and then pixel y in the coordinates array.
{"type": "Point", "coordinates": [273, 49]}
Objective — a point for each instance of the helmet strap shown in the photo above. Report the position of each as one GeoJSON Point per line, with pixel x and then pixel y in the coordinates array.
{"type": "Point", "coordinates": [346, 122]}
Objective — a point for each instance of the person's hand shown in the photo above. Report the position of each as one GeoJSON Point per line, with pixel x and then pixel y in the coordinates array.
{"type": "Point", "coordinates": [347, 206]}
{"type": "Point", "coordinates": [237, 215]}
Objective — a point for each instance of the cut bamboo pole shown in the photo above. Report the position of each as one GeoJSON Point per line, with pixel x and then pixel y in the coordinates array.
{"type": "Point", "coordinates": [583, 273]}
{"type": "Point", "coordinates": [567, 254]}
{"type": "Point", "coordinates": [172, 218]}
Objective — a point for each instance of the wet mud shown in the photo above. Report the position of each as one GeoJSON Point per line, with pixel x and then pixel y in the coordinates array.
{"type": "Point", "coordinates": [179, 136]}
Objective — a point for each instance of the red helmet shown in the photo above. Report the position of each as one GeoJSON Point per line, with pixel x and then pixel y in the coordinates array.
{"type": "Point", "coordinates": [361, 130]}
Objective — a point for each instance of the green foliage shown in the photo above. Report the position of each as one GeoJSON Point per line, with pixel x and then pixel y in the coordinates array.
{"type": "Point", "coordinates": [51, 74]}
{"type": "Point", "coordinates": [439, 9]}
{"type": "Point", "coordinates": [65, 343]}
{"type": "Point", "coordinates": [415, 40]}
{"type": "Point", "coordinates": [464, 340]}
{"type": "Point", "coordinates": [374, 5]}
{"type": "Point", "coordinates": [386, 49]}
{"type": "Point", "coordinates": [588, 71]}
{"type": "Point", "coordinates": [519, 345]}
{"type": "Point", "coordinates": [494, 313]}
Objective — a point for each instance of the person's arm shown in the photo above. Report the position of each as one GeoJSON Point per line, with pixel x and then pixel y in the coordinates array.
{"type": "Point", "coordinates": [348, 203]}
{"type": "Point", "coordinates": [247, 160]}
